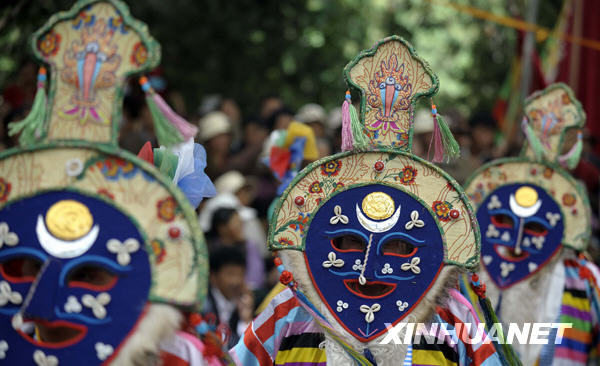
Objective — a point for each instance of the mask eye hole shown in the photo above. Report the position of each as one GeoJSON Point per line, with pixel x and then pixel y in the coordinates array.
{"type": "Point", "coordinates": [92, 277]}
{"type": "Point", "coordinates": [349, 243]}
{"type": "Point", "coordinates": [20, 269]}
{"type": "Point", "coordinates": [535, 228]}
{"type": "Point", "coordinates": [502, 220]}
{"type": "Point", "coordinates": [399, 247]}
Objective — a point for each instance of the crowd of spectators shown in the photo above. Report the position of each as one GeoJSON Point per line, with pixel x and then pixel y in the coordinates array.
{"type": "Point", "coordinates": [235, 221]}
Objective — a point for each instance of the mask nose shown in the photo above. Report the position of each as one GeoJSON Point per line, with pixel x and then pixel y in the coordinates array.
{"type": "Point", "coordinates": [40, 299]}
{"type": "Point", "coordinates": [369, 263]}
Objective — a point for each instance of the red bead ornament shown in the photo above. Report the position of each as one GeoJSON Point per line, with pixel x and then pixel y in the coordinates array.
{"type": "Point", "coordinates": [277, 261]}
{"type": "Point", "coordinates": [286, 277]}
{"type": "Point", "coordinates": [454, 214]}
{"type": "Point", "coordinates": [299, 201]}
{"type": "Point", "coordinates": [174, 232]}
{"type": "Point", "coordinates": [379, 166]}
{"type": "Point", "coordinates": [574, 211]}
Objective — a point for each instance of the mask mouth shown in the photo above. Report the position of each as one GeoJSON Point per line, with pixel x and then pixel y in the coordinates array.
{"type": "Point", "coordinates": [508, 253]}
{"type": "Point", "coordinates": [55, 334]}
{"type": "Point", "coordinates": [371, 289]}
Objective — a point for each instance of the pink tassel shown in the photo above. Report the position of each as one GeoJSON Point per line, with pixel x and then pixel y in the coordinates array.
{"type": "Point", "coordinates": [186, 129]}
{"type": "Point", "coordinates": [436, 139]}
{"type": "Point", "coordinates": [347, 138]}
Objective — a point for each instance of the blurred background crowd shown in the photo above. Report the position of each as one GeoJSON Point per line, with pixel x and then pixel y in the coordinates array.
{"type": "Point", "coordinates": [241, 71]}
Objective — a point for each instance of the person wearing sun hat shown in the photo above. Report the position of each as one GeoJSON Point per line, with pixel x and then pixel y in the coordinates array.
{"type": "Point", "coordinates": [535, 223]}
{"type": "Point", "coordinates": [371, 237]}
{"type": "Point", "coordinates": [101, 257]}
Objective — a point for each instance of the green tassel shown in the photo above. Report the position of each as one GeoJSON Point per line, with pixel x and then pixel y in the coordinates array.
{"type": "Point", "coordinates": [31, 127]}
{"type": "Point", "coordinates": [360, 139]}
{"type": "Point", "coordinates": [164, 130]}
{"type": "Point", "coordinates": [571, 159]}
{"type": "Point", "coordinates": [451, 147]}
{"type": "Point", "coordinates": [166, 162]}
{"type": "Point", "coordinates": [533, 140]}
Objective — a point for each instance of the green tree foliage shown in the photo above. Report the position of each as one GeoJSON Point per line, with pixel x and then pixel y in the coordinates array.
{"type": "Point", "coordinates": [246, 49]}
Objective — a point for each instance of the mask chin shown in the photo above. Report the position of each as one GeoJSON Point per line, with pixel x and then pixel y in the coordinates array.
{"type": "Point", "coordinates": [294, 261]}
{"type": "Point", "coordinates": [142, 347]}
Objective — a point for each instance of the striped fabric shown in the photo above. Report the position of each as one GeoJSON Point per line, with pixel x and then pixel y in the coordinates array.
{"type": "Point", "coordinates": [286, 334]}
{"type": "Point", "coordinates": [580, 307]}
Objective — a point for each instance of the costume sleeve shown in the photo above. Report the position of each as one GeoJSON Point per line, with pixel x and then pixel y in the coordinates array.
{"type": "Point", "coordinates": [260, 342]}
{"type": "Point", "coordinates": [472, 344]}
{"type": "Point", "coordinates": [594, 294]}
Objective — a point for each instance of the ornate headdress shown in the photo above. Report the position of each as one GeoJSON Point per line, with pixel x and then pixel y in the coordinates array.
{"type": "Point", "coordinates": [363, 235]}
{"type": "Point", "coordinates": [90, 235]}
{"type": "Point", "coordinates": [529, 207]}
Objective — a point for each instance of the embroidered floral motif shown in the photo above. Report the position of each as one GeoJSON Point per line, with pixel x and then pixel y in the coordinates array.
{"type": "Point", "coordinates": [316, 187]}
{"type": "Point", "coordinates": [569, 199]}
{"type": "Point", "coordinates": [331, 168]}
{"type": "Point", "coordinates": [116, 168]}
{"type": "Point", "coordinates": [407, 175]}
{"type": "Point", "coordinates": [492, 232]}
{"type": "Point", "coordinates": [103, 351]}
{"type": "Point", "coordinates": [506, 268]}
{"type": "Point", "coordinates": [4, 190]}
{"type": "Point", "coordinates": [387, 269]}
{"type": "Point", "coordinates": [123, 250]}
{"type": "Point", "coordinates": [494, 203]}
{"type": "Point", "coordinates": [139, 55]}
{"type": "Point", "coordinates": [338, 186]}
{"type": "Point", "coordinates": [166, 209]}
{"type": "Point", "coordinates": [285, 242]}
{"type": "Point", "coordinates": [158, 248]}
{"type": "Point", "coordinates": [548, 172]}
{"type": "Point", "coordinates": [442, 210]}
{"type": "Point", "coordinates": [301, 221]}
{"type": "Point", "coordinates": [83, 18]}
{"type": "Point", "coordinates": [49, 44]}
{"type": "Point", "coordinates": [552, 218]}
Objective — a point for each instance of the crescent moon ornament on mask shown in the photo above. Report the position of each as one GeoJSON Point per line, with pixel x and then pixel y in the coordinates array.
{"type": "Point", "coordinates": [521, 210]}
{"type": "Point", "coordinates": [377, 226]}
{"type": "Point", "coordinates": [63, 248]}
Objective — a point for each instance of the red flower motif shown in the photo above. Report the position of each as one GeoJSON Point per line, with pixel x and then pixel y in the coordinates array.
{"type": "Point", "coordinates": [408, 175]}
{"type": "Point", "coordinates": [285, 242]}
{"type": "Point", "coordinates": [442, 210]}
{"type": "Point", "coordinates": [4, 190]}
{"type": "Point", "coordinates": [548, 173]}
{"type": "Point", "coordinates": [139, 55]}
{"type": "Point", "coordinates": [159, 250]}
{"type": "Point", "coordinates": [338, 186]}
{"type": "Point", "coordinates": [316, 187]}
{"type": "Point", "coordinates": [49, 44]}
{"type": "Point", "coordinates": [286, 277]}
{"type": "Point", "coordinates": [331, 168]}
{"type": "Point", "coordinates": [569, 199]}
{"type": "Point", "coordinates": [166, 209]}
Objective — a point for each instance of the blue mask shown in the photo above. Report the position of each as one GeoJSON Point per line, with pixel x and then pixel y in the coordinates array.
{"type": "Point", "coordinates": [372, 252]}
{"type": "Point", "coordinates": [74, 279]}
{"type": "Point", "coordinates": [521, 229]}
